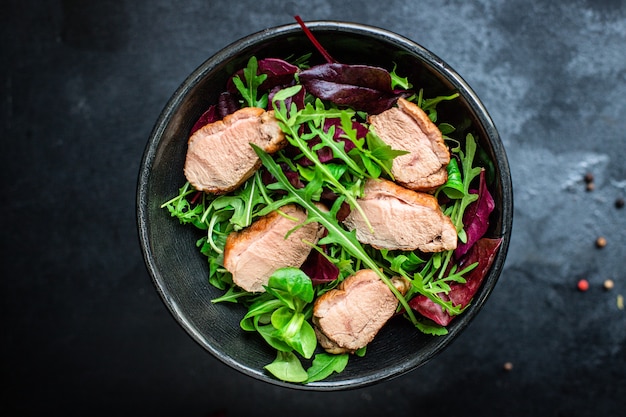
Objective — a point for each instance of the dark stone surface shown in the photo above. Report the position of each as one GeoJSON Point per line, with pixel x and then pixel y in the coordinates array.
{"type": "Point", "coordinates": [85, 333]}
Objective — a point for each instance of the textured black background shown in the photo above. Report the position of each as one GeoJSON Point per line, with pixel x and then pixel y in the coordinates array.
{"type": "Point", "coordinates": [83, 331]}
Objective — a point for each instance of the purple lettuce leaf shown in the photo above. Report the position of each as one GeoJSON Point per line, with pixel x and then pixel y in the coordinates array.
{"type": "Point", "coordinates": [293, 177]}
{"type": "Point", "coordinates": [319, 269]}
{"type": "Point", "coordinates": [476, 217]}
{"type": "Point", "coordinates": [227, 104]}
{"type": "Point", "coordinates": [279, 72]}
{"type": "Point", "coordinates": [484, 252]}
{"type": "Point", "coordinates": [429, 309]}
{"type": "Point", "coordinates": [375, 78]}
{"type": "Point", "coordinates": [209, 116]}
{"type": "Point", "coordinates": [361, 87]}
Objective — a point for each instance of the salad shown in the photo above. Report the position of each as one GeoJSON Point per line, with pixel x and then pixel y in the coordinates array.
{"type": "Point", "coordinates": [303, 219]}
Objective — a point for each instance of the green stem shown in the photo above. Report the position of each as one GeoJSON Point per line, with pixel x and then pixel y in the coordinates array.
{"type": "Point", "coordinates": [184, 192]}
{"type": "Point", "coordinates": [262, 189]}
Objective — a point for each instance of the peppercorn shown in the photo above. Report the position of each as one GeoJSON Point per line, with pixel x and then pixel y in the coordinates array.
{"type": "Point", "coordinates": [590, 186]}
{"type": "Point", "coordinates": [588, 177]}
{"type": "Point", "coordinates": [508, 366]}
{"type": "Point", "coordinates": [600, 242]}
{"type": "Point", "coordinates": [608, 284]}
{"type": "Point", "coordinates": [583, 285]}
{"type": "Point", "coordinates": [619, 203]}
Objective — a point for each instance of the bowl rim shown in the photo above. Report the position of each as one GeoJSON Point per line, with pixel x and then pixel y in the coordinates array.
{"type": "Point", "coordinates": [386, 36]}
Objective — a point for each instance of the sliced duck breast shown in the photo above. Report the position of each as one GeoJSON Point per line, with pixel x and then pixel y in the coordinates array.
{"type": "Point", "coordinates": [348, 317]}
{"type": "Point", "coordinates": [401, 219]}
{"type": "Point", "coordinates": [219, 156]}
{"type": "Point", "coordinates": [407, 127]}
{"type": "Point", "coordinates": [254, 253]}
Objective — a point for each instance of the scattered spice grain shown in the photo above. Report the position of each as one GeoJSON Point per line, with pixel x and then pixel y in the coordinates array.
{"type": "Point", "coordinates": [583, 285]}
{"type": "Point", "coordinates": [619, 203]}
{"type": "Point", "coordinates": [508, 366]}
{"type": "Point", "coordinates": [608, 284]}
{"type": "Point", "coordinates": [601, 242]}
{"type": "Point", "coordinates": [588, 177]}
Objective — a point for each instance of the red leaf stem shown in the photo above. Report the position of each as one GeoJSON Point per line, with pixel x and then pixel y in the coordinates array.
{"type": "Point", "coordinates": [315, 42]}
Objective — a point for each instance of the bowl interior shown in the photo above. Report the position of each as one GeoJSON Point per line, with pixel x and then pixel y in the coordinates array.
{"type": "Point", "coordinates": [180, 272]}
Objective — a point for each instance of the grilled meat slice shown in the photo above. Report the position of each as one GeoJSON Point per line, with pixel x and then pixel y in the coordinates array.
{"type": "Point", "coordinates": [254, 253]}
{"type": "Point", "coordinates": [401, 219]}
{"type": "Point", "coordinates": [407, 127]}
{"type": "Point", "coordinates": [348, 317]}
{"type": "Point", "coordinates": [219, 156]}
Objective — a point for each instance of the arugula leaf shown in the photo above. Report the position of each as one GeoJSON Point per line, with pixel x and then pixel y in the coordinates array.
{"type": "Point", "coordinates": [397, 81]}
{"type": "Point", "coordinates": [183, 209]}
{"type": "Point", "coordinates": [373, 153]}
{"type": "Point", "coordinates": [249, 197]}
{"type": "Point", "coordinates": [285, 93]}
{"type": "Point", "coordinates": [233, 294]}
{"type": "Point", "coordinates": [469, 173]}
{"type": "Point", "coordinates": [446, 128]}
{"type": "Point", "coordinates": [430, 104]}
{"type": "Point", "coordinates": [249, 90]}
{"type": "Point", "coordinates": [337, 147]}
{"type": "Point", "coordinates": [401, 262]}
{"type": "Point", "coordinates": [290, 124]}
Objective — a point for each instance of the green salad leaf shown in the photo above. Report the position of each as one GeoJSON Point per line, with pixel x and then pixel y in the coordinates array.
{"type": "Point", "coordinates": [280, 314]}
{"type": "Point", "coordinates": [249, 90]}
{"type": "Point", "coordinates": [287, 367]}
{"type": "Point", "coordinates": [325, 364]}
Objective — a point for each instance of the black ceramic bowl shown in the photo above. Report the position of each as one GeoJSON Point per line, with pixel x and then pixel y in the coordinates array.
{"type": "Point", "coordinates": [178, 269]}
